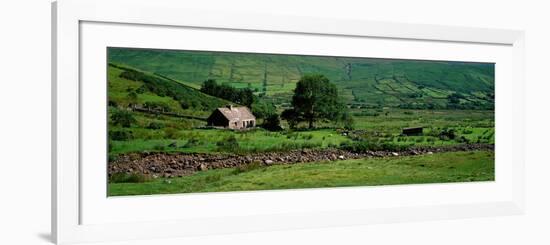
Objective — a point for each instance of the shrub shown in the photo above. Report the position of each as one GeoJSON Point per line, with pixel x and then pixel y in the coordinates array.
{"type": "Point", "coordinates": [159, 147]}
{"type": "Point", "coordinates": [121, 135]}
{"type": "Point", "coordinates": [141, 89]}
{"type": "Point", "coordinates": [155, 125]}
{"type": "Point", "coordinates": [132, 96]}
{"type": "Point", "coordinates": [467, 131]}
{"type": "Point", "coordinates": [157, 106]}
{"type": "Point", "coordinates": [184, 105]}
{"type": "Point", "coordinates": [447, 134]}
{"type": "Point", "coordinates": [228, 144]}
{"type": "Point", "coordinates": [462, 139]}
{"type": "Point", "coordinates": [171, 133]}
{"type": "Point", "coordinates": [112, 103]}
{"type": "Point", "coordinates": [128, 178]}
{"type": "Point", "coordinates": [247, 167]}
{"type": "Point", "coordinates": [272, 123]}
{"type": "Point", "coordinates": [123, 118]}
{"type": "Point", "coordinates": [191, 142]}
{"type": "Point", "coordinates": [307, 136]}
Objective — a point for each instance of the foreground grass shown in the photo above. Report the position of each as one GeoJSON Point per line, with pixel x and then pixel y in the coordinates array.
{"type": "Point", "coordinates": [258, 140]}
{"type": "Point", "coordinates": [436, 168]}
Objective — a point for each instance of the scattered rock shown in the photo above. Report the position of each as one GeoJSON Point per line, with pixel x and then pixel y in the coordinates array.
{"type": "Point", "coordinates": [429, 153]}
{"type": "Point", "coordinates": [268, 162]}
{"type": "Point", "coordinates": [341, 157]}
{"type": "Point", "coordinates": [203, 167]}
{"type": "Point", "coordinates": [395, 154]}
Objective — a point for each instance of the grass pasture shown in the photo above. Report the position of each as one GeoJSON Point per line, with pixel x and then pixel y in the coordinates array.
{"type": "Point", "coordinates": [205, 141]}
{"type": "Point", "coordinates": [436, 168]}
{"type": "Point", "coordinates": [383, 126]}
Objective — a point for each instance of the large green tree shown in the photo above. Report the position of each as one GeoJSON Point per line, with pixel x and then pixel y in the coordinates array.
{"type": "Point", "coordinates": [315, 98]}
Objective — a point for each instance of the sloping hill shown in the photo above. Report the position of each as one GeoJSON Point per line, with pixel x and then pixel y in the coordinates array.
{"type": "Point", "coordinates": [131, 86]}
{"type": "Point", "coordinates": [362, 81]}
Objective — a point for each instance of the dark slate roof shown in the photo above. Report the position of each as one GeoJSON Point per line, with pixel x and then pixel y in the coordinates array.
{"type": "Point", "coordinates": [237, 113]}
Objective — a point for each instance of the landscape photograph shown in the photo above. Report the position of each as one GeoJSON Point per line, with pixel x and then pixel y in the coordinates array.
{"type": "Point", "coordinates": [182, 121]}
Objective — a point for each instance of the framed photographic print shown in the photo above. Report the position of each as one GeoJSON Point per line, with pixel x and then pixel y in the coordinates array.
{"type": "Point", "coordinates": [169, 124]}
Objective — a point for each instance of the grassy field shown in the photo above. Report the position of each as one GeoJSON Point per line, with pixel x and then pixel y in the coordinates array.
{"type": "Point", "coordinates": [205, 141]}
{"type": "Point", "coordinates": [474, 126]}
{"type": "Point", "coordinates": [436, 168]}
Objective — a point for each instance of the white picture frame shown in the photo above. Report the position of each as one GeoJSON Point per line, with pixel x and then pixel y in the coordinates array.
{"type": "Point", "coordinates": [69, 196]}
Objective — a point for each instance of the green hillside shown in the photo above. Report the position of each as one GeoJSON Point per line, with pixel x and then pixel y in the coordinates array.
{"type": "Point", "coordinates": [362, 81]}
{"type": "Point", "coordinates": [130, 86]}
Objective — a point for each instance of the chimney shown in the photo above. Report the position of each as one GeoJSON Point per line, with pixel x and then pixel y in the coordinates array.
{"type": "Point", "coordinates": [230, 107]}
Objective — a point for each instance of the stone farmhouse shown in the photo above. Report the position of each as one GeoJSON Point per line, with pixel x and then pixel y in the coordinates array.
{"type": "Point", "coordinates": [232, 117]}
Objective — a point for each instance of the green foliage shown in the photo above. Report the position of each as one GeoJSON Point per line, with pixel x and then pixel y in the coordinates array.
{"type": "Point", "coordinates": [228, 144]}
{"type": "Point", "coordinates": [159, 147]}
{"type": "Point", "coordinates": [128, 178]}
{"type": "Point", "coordinates": [347, 120]}
{"type": "Point", "coordinates": [132, 97]}
{"type": "Point", "coordinates": [192, 142]}
{"type": "Point", "coordinates": [244, 96]}
{"type": "Point", "coordinates": [247, 167]}
{"type": "Point", "coordinates": [272, 123]}
{"type": "Point", "coordinates": [263, 109]}
{"type": "Point", "coordinates": [155, 125]}
{"type": "Point", "coordinates": [123, 118]}
{"type": "Point", "coordinates": [121, 135]}
{"type": "Point", "coordinates": [165, 87]}
{"type": "Point", "coordinates": [447, 133]}
{"type": "Point", "coordinates": [455, 98]}
{"type": "Point", "coordinates": [156, 106]}
{"type": "Point", "coordinates": [315, 98]}
{"type": "Point", "coordinates": [171, 133]}
{"type": "Point", "coordinates": [112, 103]}
{"type": "Point", "coordinates": [292, 117]}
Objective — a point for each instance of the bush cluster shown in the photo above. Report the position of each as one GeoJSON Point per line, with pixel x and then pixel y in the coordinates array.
{"type": "Point", "coordinates": [121, 135]}
{"type": "Point", "coordinates": [228, 144]}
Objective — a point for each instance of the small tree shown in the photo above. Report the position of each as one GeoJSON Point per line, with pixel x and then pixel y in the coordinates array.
{"type": "Point", "coordinates": [132, 98]}
{"type": "Point", "coordinates": [316, 98]}
{"type": "Point", "coordinates": [123, 118]}
{"type": "Point", "coordinates": [348, 121]}
{"type": "Point", "coordinates": [272, 123]}
{"type": "Point", "coordinates": [454, 98]}
{"type": "Point", "coordinates": [263, 109]}
{"type": "Point", "coordinates": [291, 117]}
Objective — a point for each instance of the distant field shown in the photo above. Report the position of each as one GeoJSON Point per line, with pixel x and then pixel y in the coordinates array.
{"type": "Point", "coordinates": [361, 80]}
{"type": "Point", "coordinates": [436, 168]}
